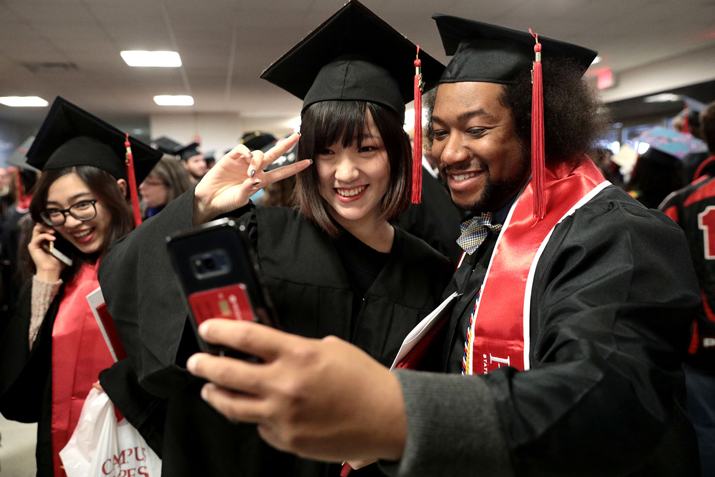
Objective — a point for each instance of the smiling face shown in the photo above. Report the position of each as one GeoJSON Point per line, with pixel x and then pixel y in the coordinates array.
{"type": "Point", "coordinates": [354, 179]}
{"type": "Point", "coordinates": [476, 146]}
{"type": "Point", "coordinates": [88, 236]}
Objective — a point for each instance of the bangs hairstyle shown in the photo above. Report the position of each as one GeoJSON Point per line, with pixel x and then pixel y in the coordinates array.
{"type": "Point", "coordinates": [105, 188]}
{"type": "Point", "coordinates": [344, 122]}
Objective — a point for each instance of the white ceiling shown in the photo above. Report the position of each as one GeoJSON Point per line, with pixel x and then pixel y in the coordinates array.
{"type": "Point", "coordinates": [225, 44]}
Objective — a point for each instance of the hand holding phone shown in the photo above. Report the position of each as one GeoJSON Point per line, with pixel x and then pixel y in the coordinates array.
{"type": "Point", "coordinates": [218, 274]}
{"type": "Point", "coordinates": [44, 239]}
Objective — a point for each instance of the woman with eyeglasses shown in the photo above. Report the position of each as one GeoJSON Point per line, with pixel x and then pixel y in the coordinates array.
{"type": "Point", "coordinates": [53, 350]}
{"type": "Point", "coordinates": [167, 181]}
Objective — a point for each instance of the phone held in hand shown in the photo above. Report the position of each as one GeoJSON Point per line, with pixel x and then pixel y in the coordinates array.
{"type": "Point", "coordinates": [61, 249]}
{"type": "Point", "coordinates": [219, 275]}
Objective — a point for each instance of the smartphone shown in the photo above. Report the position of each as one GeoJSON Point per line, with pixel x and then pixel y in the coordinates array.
{"type": "Point", "coordinates": [61, 249]}
{"type": "Point", "coordinates": [218, 272]}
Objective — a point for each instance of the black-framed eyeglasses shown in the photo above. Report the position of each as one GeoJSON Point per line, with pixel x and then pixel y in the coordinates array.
{"type": "Point", "coordinates": [83, 211]}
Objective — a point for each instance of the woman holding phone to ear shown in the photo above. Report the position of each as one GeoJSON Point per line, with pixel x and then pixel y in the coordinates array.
{"type": "Point", "coordinates": [53, 350]}
{"type": "Point", "coordinates": [333, 266]}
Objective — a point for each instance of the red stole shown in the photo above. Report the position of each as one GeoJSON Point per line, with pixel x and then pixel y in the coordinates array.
{"type": "Point", "coordinates": [79, 353]}
{"type": "Point", "coordinates": [500, 329]}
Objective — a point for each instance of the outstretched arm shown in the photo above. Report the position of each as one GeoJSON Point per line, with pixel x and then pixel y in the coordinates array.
{"type": "Point", "coordinates": [322, 399]}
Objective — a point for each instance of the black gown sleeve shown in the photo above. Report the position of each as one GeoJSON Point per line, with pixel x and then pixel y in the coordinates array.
{"type": "Point", "coordinates": [26, 375]}
{"type": "Point", "coordinates": [613, 299]}
{"type": "Point", "coordinates": [145, 300]}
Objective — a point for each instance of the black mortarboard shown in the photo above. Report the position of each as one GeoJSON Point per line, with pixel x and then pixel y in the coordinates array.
{"type": "Point", "coordinates": [18, 158]}
{"type": "Point", "coordinates": [165, 145]}
{"type": "Point", "coordinates": [484, 53]}
{"type": "Point", "coordinates": [495, 54]}
{"type": "Point", "coordinates": [354, 55]}
{"type": "Point", "coordinates": [70, 136]}
{"type": "Point", "coordinates": [258, 140]}
{"type": "Point", "coordinates": [188, 151]}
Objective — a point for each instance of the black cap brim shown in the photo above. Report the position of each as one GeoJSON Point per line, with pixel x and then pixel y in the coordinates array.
{"type": "Point", "coordinates": [187, 152]}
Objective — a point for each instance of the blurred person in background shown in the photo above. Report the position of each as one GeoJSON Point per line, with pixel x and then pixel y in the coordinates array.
{"type": "Point", "coordinates": [52, 350]}
{"type": "Point", "coordinates": [193, 161]}
{"type": "Point", "coordinates": [693, 208]}
{"type": "Point", "coordinates": [167, 181]}
{"type": "Point", "coordinates": [15, 222]}
{"type": "Point", "coordinates": [6, 196]}
{"type": "Point", "coordinates": [655, 175]}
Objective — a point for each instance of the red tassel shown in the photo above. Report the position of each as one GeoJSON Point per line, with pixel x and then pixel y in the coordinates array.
{"type": "Point", "coordinates": [538, 154]}
{"type": "Point", "coordinates": [686, 120]}
{"type": "Point", "coordinates": [132, 182]}
{"type": "Point", "coordinates": [417, 152]}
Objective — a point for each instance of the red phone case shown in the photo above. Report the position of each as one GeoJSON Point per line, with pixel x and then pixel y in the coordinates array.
{"type": "Point", "coordinates": [229, 302]}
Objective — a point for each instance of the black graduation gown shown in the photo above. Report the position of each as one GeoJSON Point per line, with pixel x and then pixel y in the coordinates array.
{"type": "Point", "coordinates": [613, 298]}
{"type": "Point", "coordinates": [309, 288]}
{"type": "Point", "coordinates": [9, 243]}
{"type": "Point", "coordinates": [436, 220]}
{"type": "Point", "coordinates": [26, 376]}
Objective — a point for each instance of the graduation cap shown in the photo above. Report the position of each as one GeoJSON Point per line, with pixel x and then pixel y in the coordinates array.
{"type": "Point", "coordinates": [286, 159]}
{"type": "Point", "coordinates": [494, 54]}
{"type": "Point", "coordinates": [187, 152]}
{"type": "Point", "coordinates": [356, 56]}
{"type": "Point", "coordinates": [258, 140]}
{"type": "Point", "coordinates": [672, 143]}
{"type": "Point", "coordinates": [165, 145]}
{"type": "Point", "coordinates": [70, 136]}
{"type": "Point", "coordinates": [18, 158]}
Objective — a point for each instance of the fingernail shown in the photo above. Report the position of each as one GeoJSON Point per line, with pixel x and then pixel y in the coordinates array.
{"type": "Point", "coordinates": [311, 160]}
{"type": "Point", "coordinates": [257, 182]}
{"type": "Point", "coordinates": [205, 392]}
{"type": "Point", "coordinates": [298, 133]}
{"type": "Point", "coordinates": [204, 329]}
{"type": "Point", "coordinates": [250, 154]}
{"type": "Point", "coordinates": [191, 363]}
{"type": "Point", "coordinates": [252, 173]}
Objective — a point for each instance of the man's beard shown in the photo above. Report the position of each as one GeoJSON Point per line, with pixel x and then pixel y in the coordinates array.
{"type": "Point", "coordinates": [496, 194]}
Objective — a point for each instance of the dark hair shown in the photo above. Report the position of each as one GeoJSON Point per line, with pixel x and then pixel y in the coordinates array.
{"type": "Point", "coordinates": [104, 186]}
{"type": "Point", "coordinates": [329, 122]}
{"type": "Point", "coordinates": [574, 116]}
{"type": "Point", "coordinates": [707, 126]}
{"type": "Point", "coordinates": [656, 175]}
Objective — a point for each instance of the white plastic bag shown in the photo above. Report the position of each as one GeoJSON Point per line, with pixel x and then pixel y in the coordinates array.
{"type": "Point", "coordinates": [101, 447]}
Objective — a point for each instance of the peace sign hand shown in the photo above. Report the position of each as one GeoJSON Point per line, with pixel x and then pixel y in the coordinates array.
{"type": "Point", "coordinates": [238, 175]}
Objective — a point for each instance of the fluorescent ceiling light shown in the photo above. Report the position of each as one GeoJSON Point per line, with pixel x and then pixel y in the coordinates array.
{"type": "Point", "coordinates": [174, 100]}
{"type": "Point", "coordinates": [23, 101]}
{"type": "Point", "coordinates": [165, 59]}
{"type": "Point", "coordinates": [662, 98]}
{"type": "Point", "coordinates": [596, 60]}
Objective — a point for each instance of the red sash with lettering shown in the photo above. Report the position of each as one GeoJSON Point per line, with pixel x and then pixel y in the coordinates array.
{"type": "Point", "coordinates": [79, 353]}
{"type": "Point", "coordinates": [500, 329]}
